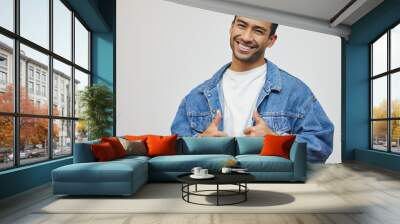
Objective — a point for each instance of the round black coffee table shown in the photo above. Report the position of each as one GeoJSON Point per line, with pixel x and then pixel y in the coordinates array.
{"type": "Point", "coordinates": [238, 179]}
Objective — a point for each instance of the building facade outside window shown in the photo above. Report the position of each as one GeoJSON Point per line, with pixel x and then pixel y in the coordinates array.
{"type": "Point", "coordinates": [30, 87]}
{"type": "Point", "coordinates": [3, 72]}
{"type": "Point", "coordinates": [3, 78]}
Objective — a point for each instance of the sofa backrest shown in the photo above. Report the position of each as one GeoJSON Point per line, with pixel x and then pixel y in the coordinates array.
{"type": "Point", "coordinates": [83, 152]}
{"type": "Point", "coordinates": [249, 145]}
{"type": "Point", "coordinates": [206, 145]}
{"type": "Point", "coordinates": [190, 146]}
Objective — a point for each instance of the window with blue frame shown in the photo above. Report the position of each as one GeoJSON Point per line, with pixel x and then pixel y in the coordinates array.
{"type": "Point", "coordinates": [385, 91]}
{"type": "Point", "coordinates": [44, 65]}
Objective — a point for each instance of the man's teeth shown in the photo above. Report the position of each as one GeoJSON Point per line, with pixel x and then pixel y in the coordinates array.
{"type": "Point", "coordinates": [244, 48]}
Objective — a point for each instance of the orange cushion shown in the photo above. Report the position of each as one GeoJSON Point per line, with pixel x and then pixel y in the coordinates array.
{"type": "Point", "coordinates": [116, 145]}
{"type": "Point", "coordinates": [161, 145]}
{"type": "Point", "coordinates": [103, 151]}
{"type": "Point", "coordinates": [137, 137]}
{"type": "Point", "coordinates": [277, 145]}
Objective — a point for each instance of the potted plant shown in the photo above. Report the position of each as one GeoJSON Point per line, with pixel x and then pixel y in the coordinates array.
{"type": "Point", "coordinates": [96, 102]}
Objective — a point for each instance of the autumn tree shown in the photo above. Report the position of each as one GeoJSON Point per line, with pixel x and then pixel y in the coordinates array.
{"type": "Point", "coordinates": [395, 123]}
{"type": "Point", "coordinates": [380, 127]}
{"type": "Point", "coordinates": [33, 131]}
{"type": "Point", "coordinates": [6, 122]}
{"type": "Point", "coordinates": [81, 129]}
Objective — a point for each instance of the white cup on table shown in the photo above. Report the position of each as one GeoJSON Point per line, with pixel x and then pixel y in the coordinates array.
{"type": "Point", "coordinates": [203, 172]}
{"type": "Point", "coordinates": [196, 171]}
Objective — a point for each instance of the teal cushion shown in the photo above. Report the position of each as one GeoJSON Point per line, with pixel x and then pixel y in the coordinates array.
{"type": "Point", "coordinates": [111, 171]}
{"type": "Point", "coordinates": [249, 145]}
{"type": "Point", "coordinates": [185, 163]}
{"type": "Point", "coordinates": [206, 145]}
{"type": "Point", "coordinates": [257, 163]}
{"type": "Point", "coordinates": [133, 158]}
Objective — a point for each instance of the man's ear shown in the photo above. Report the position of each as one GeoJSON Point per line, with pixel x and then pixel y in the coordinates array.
{"type": "Point", "coordinates": [271, 40]}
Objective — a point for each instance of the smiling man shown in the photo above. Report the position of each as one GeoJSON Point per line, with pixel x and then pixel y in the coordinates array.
{"type": "Point", "coordinates": [251, 96]}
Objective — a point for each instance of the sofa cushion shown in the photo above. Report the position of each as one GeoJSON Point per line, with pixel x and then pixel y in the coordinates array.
{"type": "Point", "coordinates": [136, 137]}
{"type": "Point", "coordinates": [257, 163]}
{"type": "Point", "coordinates": [103, 152]}
{"type": "Point", "coordinates": [132, 158]}
{"type": "Point", "coordinates": [249, 145]}
{"type": "Point", "coordinates": [185, 163]}
{"type": "Point", "coordinates": [134, 147]}
{"type": "Point", "coordinates": [83, 152]}
{"type": "Point", "coordinates": [116, 145]}
{"type": "Point", "coordinates": [161, 145]}
{"type": "Point", "coordinates": [206, 145]}
{"type": "Point", "coordinates": [142, 138]}
{"type": "Point", "coordinates": [277, 145]}
{"type": "Point", "coordinates": [111, 171]}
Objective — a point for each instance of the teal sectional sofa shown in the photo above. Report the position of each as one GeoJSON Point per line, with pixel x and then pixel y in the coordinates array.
{"type": "Point", "coordinates": [125, 176]}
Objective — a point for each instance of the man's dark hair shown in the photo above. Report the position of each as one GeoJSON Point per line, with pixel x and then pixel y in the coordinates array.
{"type": "Point", "coordinates": [274, 26]}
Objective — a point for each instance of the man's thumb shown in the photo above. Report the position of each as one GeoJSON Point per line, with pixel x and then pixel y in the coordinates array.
{"type": "Point", "coordinates": [217, 118]}
{"type": "Point", "coordinates": [256, 117]}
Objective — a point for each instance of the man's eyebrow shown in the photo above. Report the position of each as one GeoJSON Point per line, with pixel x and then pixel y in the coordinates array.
{"type": "Point", "coordinates": [241, 21]}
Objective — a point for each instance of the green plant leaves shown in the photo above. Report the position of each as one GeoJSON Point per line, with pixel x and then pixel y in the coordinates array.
{"type": "Point", "coordinates": [97, 104]}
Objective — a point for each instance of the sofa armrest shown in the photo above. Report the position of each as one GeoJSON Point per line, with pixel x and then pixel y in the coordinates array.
{"type": "Point", "coordinates": [298, 155]}
{"type": "Point", "coordinates": [83, 152]}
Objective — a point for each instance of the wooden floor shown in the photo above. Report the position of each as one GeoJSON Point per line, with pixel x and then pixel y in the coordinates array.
{"type": "Point", "coordinates": [378, 188]}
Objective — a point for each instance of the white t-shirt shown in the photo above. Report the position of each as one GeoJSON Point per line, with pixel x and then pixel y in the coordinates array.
{"type": "Point", "coordinates": [241, 90]}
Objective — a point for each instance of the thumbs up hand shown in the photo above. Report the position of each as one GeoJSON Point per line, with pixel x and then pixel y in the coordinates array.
{"type": "Point", "coordinates": [260, 129]}
{"type": "Point", "coordinates": [212, 130]}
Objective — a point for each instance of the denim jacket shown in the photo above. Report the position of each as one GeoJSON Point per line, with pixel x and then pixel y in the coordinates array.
{"type": "Point", "coordinates": [285, 103]}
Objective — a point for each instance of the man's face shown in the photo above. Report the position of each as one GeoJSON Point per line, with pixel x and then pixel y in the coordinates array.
{"type": "Point", "coordinates": [249, 38]}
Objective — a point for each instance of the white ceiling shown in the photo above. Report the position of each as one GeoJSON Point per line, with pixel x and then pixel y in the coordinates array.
{"type": "Point", "coordinates": [325, 16]}
{"type": "Point", "coordinates": [321, 9]}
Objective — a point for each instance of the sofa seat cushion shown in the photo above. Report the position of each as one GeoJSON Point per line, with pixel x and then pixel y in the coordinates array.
{"type": "Point", "coordinates": [133, 158]}
{"type": "Point", "coordinates": [185, 163]}
{"type": "Point", "coordinates": [112, 171]}
{"type": "Point", "coordinates": [257, 163]}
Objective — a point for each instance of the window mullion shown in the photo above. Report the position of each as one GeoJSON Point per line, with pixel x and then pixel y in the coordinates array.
{"type": "Point", "coordinates": [50, 81]}
{"type": "Point", "coordinates": [16, 84]}
{"type": "Point", "coordinates": [371, 98]}
{"type": "Point", "coordinates": [389, 101]}
{"type": "Point", "coordinates": [73, 82]}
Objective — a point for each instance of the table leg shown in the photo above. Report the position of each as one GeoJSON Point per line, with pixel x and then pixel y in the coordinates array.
{"type": "Point", "coordinates": [182, 188]}
{"type": "Point", "coordinates": [217, 194]}
{"type": "Point", "coordinates": [196, 188]}
{"type": "Point", "coordinates": [188, 189]}
{"type": "Point", "coordinates": [245, 193]}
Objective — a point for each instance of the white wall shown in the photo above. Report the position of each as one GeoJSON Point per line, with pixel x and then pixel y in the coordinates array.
{"type": "Point", "coordinates": [165, 49]}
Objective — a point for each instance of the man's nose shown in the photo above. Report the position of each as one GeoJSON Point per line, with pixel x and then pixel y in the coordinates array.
{"type": "Point", "coordinates": [247, 36]}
